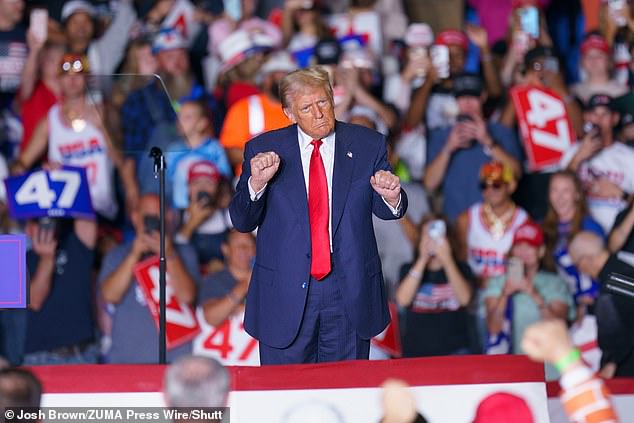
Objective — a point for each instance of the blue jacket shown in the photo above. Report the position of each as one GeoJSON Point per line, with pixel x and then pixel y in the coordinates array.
{"type": "Point", "coordinates": [279, 282]}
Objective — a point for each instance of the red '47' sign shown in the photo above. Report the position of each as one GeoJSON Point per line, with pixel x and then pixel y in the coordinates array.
{"type": "Point", "coordinates": [181, 324]}
{"type": "Point", "coordinates": [543, 120]}
{"type": "Point", "coordinates": [228, 342]}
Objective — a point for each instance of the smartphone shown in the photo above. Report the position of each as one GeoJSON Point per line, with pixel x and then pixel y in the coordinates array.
{"type": "Point", "coordinates": [463, 117]}
{"type": "Point", "coordinates": [233, 8]}
{"type": "Point", "coordinates": [416, 53]}
{"type": "Point", "coordinates": [38, 24]}
{"type": "Point", "coordinates": [437, 229]}
{"type": "Point", "coordinates": [440, 59]}
{"type": "Point", "coordinates": [151, 224]}
{"type": "Point", "coordinates": [589, 127]}
{"type": "Point", "coordinates": [615, 9]}
{"type": "Point", "coordinates": [204, 198]}
{"type": "Point", "coordinates": [529, 21]}
{"type": "Point", "coordinates": [515, 269]}
{"type": "Point", "coordinates": [46, 223]}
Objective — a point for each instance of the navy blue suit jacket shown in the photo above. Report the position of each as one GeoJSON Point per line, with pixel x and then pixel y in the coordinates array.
{"type": "Point", "coordinates": [277, 292]}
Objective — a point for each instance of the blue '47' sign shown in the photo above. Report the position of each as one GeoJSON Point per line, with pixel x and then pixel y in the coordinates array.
{"type": "Point", "coordinates": [61, 192]}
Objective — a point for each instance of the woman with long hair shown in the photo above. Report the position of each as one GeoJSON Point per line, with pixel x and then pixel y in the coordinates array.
{"type": "Point", "coordinates": [567, 216]}
{"type": "Point", "coordinates": [435, 290]}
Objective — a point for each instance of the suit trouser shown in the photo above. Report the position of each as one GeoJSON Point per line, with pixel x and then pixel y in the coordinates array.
{"type": "Point", "coordinates": [325, 333]}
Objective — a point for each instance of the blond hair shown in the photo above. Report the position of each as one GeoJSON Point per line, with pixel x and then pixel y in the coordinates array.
{"type": "Point", "coordinates": [299, 80]}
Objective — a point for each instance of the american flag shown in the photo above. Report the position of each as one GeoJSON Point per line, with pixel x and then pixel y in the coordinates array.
{"type": "Point", "coordinates": [435, 298]}
{"type": "Point", "coordinates": [12, 58]}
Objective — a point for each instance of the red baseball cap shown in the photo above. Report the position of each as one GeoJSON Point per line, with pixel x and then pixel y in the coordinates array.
{"type": "Point", "coordinates": [452, 37]}
{"type": "Point", "coordinates": [515, 4]}
{"type": "Point", "coordinates": [530, 233]}
{"type": "Point", "coordinates": [203, 169]}
{"type": "Point", "coordinates": [595, 41]}
{"type": "Point", "coordinates": [502, 407]}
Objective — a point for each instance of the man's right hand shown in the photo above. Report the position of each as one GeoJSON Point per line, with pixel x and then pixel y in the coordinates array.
{"type": "Point", "coordinates": [263, 168]}
{"type": "Point", "coordinates": [199, 212]}
{"type": "Point", "coordinates": [589, 146]}
{"type": "Point", "coordinates": [44, 243]}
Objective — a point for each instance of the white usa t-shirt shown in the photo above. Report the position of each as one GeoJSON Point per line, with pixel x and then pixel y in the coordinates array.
{"type": "Point", "coordinates": [86, 148]}
{"type": "Point", "coordinates": [616, 163]}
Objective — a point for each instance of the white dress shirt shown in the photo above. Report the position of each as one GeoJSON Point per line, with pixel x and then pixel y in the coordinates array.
{"type": "Point", "coordinates": [327, 152]}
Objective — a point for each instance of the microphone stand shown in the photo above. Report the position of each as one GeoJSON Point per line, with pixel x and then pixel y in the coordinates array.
{"type": "Point", "coordinates": [159, 171]}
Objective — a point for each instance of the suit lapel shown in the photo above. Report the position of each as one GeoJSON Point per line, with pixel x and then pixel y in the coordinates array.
{"type": "Point", "coordinates": [295, 174]}
{"type": "Point", "coordinates": [341, 174]}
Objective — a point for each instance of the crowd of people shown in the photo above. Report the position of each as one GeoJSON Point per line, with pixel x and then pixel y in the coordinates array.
{"type": "Point", "coordinates": [491, 242]}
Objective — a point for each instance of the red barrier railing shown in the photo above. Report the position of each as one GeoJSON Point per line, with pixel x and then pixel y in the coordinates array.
{"type": "Point", "coordinates": [352, 374]}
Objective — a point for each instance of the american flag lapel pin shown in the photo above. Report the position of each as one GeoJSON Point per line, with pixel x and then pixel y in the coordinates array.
{"type": "Point", "coordinates": [349, 154]}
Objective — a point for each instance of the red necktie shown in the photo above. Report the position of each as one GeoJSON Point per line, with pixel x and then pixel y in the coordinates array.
{"type": "Point", "coordinates": [318, 215]}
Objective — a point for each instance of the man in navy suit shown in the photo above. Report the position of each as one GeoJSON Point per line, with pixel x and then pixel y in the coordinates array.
{"type": "Point", "coordinates": [316, 291]}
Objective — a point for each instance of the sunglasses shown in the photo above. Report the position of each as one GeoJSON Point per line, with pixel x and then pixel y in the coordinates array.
{"type": "Point", "coordinates": [495, 185]}
{"type": "Point", "coordinates": [74, 66]}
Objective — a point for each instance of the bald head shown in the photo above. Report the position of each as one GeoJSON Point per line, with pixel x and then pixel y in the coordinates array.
{"type": "Point", "coordinates": [588, 253]}
{"type": "Point", "coordinates": [585, 243]}
{"type": "Point", "coordinates": [193, 381]}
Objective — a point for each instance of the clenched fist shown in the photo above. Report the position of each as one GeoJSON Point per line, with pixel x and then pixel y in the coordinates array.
{"type": "Point", "coordinates": [387, 185]}
{"type": "Point", "coordinates": [263, 168]}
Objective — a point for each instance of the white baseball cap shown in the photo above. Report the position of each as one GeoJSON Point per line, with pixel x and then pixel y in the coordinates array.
{"type": "Point", "coordinates": [239, 45]}
{"type": "Point", "coordinates": [75, 6]}
{"type": "Point", "coordinates": [419, 35]}
{"type": "Point", "coordinates": [279, 61]}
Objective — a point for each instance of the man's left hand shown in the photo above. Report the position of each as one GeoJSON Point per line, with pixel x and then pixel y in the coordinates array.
{"type": "Point", "coordinates": [387, 185]}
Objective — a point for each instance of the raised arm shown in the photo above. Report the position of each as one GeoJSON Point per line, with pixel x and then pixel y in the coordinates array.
{"type": "Point", "coordinates": [35, 149]}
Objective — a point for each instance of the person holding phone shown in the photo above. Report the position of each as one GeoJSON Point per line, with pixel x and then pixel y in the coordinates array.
{"type": "Point", "coordinates": [60, 324]}
{"type": "Point", "coordinates": [435, 290]}
{"type": "Point", "coordinates": [599, 117]}
{"type": "Point", "coordinates": [206, 222]}
{"type": "Point", "coordinates": [433, 102]}
{"type": "Point", "coordinates": [134, 333]}
{"type": "Point", "coordinates": [604, 165]}
{"type": "Point", "coordinates": [40, 86]}
{"type": "Point", "coordinates": [531, 293]}
{"type": "Point", "coordinates": [455, 154]}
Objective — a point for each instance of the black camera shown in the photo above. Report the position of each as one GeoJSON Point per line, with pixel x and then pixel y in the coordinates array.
{"type": "Point", "coordinates": [151, 223]}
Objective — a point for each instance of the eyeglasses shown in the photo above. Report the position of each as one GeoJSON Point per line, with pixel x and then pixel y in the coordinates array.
{"type": "Point", "coordinates": [495, 185]}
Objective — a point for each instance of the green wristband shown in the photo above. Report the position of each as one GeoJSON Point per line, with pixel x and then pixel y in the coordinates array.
{"type": "Point", "coordinates": [565, 362]}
